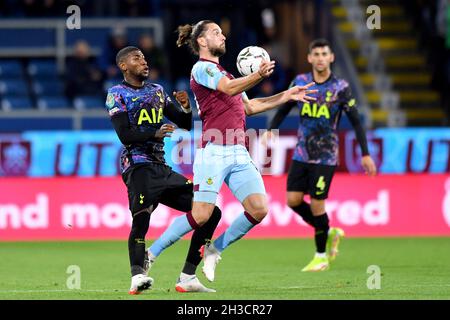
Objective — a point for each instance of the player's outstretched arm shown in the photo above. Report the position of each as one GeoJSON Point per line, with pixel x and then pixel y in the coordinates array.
{"type": "Point", "coordinates": [296, 93]}
{"type": "Point", "coordinates": [236, 86]}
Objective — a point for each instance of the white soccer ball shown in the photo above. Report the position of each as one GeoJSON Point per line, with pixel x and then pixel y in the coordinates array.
{"type": "Point", "coordinates": [250, 58]}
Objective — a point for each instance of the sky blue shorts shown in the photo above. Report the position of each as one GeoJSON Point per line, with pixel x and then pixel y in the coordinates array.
{"type": "Point", "coordinates": [215, 164]}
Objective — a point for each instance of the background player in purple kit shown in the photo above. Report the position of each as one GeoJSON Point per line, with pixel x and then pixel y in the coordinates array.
{"type": "Point", "coordinates": [316, 154]}
{"type": "Point", "coordinates": [137, 109]}
{"type": "Point", "coordinates": [223, 157]}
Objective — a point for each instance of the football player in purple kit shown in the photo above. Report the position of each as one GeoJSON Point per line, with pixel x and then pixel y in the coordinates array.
{"type": "Point", "coordinates": [223, 156]}
{"type": "Point", "coordinates": [137, 109]}
{"type": "Point", "coordinates": [316, 154]}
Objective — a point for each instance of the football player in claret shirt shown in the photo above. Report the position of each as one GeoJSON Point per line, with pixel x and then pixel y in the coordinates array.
{"type": "Point", "coordinates": [316, 153]}
{"type": "Point", "coordinates": [137, 109]}
{"type": "Point", "coordinates": [223, 156]}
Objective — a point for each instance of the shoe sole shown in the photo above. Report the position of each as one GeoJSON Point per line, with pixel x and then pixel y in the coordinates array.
{"type": "Point", "coordinates": [180, 289]}
{"type": "Point", "coordinates": [134, 292]}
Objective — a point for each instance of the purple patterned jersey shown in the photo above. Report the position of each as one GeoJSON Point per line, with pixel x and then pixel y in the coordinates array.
{"type": "Point", "coordinates": [144, 107]}
{"type": "Point", "coordinates": [317, 133]}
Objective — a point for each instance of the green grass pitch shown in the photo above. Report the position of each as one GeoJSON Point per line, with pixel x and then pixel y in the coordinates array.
{"type": "Point", "coordinates": [411, 268]}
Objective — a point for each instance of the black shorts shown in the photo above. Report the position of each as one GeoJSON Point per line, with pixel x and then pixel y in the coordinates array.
{"type": "Point", "coordinates": [309, 178]}
{"type": "Point", "coordinates": [150, 184]}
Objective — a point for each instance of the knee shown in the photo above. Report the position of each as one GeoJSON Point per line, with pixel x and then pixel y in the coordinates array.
{"type": "Point", "coordinates": [259, 211]}
{"type": "Point", "coordinates": [201, 215]}
{"type": "Point", "coordinates": [294, 202]}
{"type": "Point", "coordinates": [294, 199]}
{"type": "Point", "coordinates": [201, 218]}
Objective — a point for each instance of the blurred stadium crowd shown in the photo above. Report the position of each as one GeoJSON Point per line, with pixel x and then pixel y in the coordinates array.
{"type": "Point", "coordinates": [30, 79]}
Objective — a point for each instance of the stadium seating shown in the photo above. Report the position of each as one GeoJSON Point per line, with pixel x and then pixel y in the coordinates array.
{"type": "Point", "coordinates": [53, 102]}
{"type": "Point", "coordinates": [391, 66]}
{"type": "Point", "coordinates": [88, 102]}
{"type": "Point", "coordinates": [16, 103]}
{"type": "Point", "coordinates": [43, 69]}
{"type": "Point", "coordinates": [48, 88]}
{"type": "Point", "coordinates": [10, 69]}
{"type": "Point", "coordinates": [13, 88]}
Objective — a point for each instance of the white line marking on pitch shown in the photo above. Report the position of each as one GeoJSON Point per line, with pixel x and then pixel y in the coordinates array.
{"type": "Point", "coordinates": [300, 287]}
{"type": "Point", "coordinates": [73, 290]}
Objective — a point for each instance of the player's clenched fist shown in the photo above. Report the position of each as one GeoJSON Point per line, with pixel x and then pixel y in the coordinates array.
{"type": "Point", "coordinates": [182, 98]}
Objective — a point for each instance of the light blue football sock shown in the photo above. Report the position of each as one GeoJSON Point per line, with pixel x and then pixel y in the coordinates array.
{"type": "Point", "coordinates": [173, 233]}
{"type": "Point", "coordinates": [234, 232]}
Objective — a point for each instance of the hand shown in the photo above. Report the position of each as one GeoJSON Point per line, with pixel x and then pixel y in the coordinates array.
{"type": "Point", "coordinates": [298, 93]}
{"type": "Point", "coordinates": [266, 68]}
{"type": "Point", "coordinates": [182, 98]}
{"type": "Point", "coordinates": [369, 166]}
{"type": "Point", "coordinates": [265, 138]}
{"type": "Point", "coordinates": [165, 131]}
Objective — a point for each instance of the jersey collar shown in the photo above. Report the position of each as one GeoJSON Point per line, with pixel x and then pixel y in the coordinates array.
{"type": "Point", "coordinates": [203, 59]}
{"type": "Point", "coordinates": [319, 83]}
{"type": "Point", "coordinates": [131, 86]}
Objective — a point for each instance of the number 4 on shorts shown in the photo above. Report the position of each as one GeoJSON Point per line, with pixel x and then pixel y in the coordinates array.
{"type": "Point", "coordinates": [320, 185]}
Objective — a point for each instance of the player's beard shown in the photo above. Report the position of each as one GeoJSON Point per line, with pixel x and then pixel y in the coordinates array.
{"type": "Point", "coordinates": [218, 51]}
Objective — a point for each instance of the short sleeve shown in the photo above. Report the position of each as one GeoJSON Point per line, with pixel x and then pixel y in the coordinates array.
{"type": "Point", "coordinates": [207, 74]}
{"type": "Point", "coordinates": [114, 102]}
